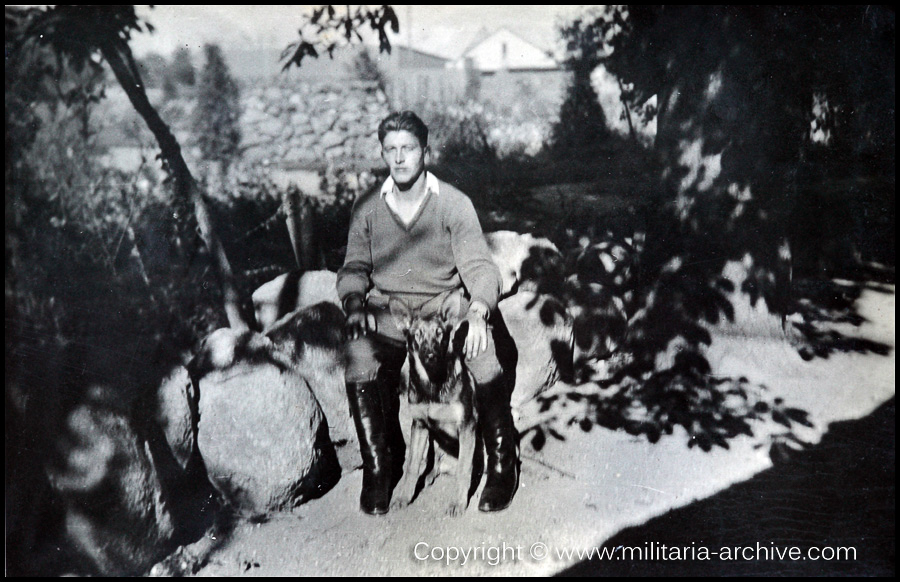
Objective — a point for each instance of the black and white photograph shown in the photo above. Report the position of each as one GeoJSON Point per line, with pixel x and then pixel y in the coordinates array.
{"type": "Point", "coordinates": [440, 290]}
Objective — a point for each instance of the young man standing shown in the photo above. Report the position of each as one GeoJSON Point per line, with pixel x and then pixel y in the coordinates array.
{"type": "Point", "coordinates": [417, 238]}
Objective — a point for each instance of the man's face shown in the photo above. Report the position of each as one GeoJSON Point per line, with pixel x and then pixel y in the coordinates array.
{"type": "Point", "coordinates": [404, 156]}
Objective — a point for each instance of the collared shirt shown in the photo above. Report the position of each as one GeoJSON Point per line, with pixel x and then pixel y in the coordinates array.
{"type": "Point", "coordinates": [432, 185]}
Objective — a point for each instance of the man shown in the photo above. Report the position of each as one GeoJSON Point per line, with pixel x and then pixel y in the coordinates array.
{"type": "Point", "coordinates": [417, 238]}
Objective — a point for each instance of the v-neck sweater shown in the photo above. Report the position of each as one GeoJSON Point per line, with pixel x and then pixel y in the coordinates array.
{"type": "Point", "coordinates": [443, 248]}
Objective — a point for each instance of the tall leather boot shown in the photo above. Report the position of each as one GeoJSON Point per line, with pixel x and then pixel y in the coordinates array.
{"type": "Point", "coordinates": [368, 413]}
{"type": "Point", "coordinates": [389, 390]}
{"type": "Point", "coordinates": [500, 442]}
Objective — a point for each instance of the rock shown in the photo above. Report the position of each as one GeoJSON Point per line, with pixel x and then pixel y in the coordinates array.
{"type": "Point", "coordinates": [252, 116]}
{"type": "Point", "coordinates": [307, 141]}
{"type": "Point", "coordinates": [321, 122]}
{"type": "Point", "coordinates": [300, 121]}
{"type": "Point", "coordinates": [542, 330]}
{"type": "Point", "coordinates": [291, 291]}
{"type": "Point", "coordinates": [173, 413]}
{"type": "Point", "coordinates": [262, 433]}
{"type": "Point", "coordinates": [334, 152]}
{"type": "Point", "coordinates": [311, 335]}
{"type": "Point", "coordinates": [523, 257]}
{"type": "Point", "coordinates": [264, 437]}
{"type": "Point", "coordinates": [270, 126]}
{"type": "Point", "coordinates": [295, 154]}
{"type": "Point", "coordinates": [301, 316]}
{"type": "Point", "coordinates": [332, 139]}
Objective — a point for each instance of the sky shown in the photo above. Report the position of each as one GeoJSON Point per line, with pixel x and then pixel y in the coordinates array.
{"type": "Point", "coordinates": [444, 30]}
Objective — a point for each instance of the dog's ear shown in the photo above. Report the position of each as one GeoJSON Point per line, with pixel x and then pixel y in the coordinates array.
{"type": "Point", "coordinates": [401, 313]}
{"type": "Point", "coordinates": [451, 308]}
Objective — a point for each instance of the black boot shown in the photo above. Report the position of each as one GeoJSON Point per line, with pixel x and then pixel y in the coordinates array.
{"type": "Point", "coordinates": [389, 390]}
{"type": "Point", "coordinates": [368, 413]}
{"type": "Point", "coordinates": [500, 443]}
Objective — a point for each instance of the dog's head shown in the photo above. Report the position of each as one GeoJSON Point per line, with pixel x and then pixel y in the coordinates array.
{"type": "Point", "coordinates": [429, 336]}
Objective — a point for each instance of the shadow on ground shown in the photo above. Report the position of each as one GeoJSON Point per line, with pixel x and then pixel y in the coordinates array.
{"type": "Point", "coordinates": [640, 355]}
{"type": "Point", "coordinates": [839, 493]}
{"type": "Point", "coordinates": [819, 303]}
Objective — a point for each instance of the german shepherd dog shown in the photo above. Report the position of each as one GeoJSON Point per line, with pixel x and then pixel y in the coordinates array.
{"type": "Point", "coordinates": [441, 393]}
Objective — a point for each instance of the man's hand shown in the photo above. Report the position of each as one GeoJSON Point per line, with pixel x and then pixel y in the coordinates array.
{"type": "Point", "coordinates": [476, 339]}
{"type": "Point", "coordinates": [359, 321]}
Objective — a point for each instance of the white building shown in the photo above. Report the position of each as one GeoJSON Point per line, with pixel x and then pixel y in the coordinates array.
{"type": "Point", "coordinates": [513, 70]}
{"type": "Point", "coordinates": [505, 50]}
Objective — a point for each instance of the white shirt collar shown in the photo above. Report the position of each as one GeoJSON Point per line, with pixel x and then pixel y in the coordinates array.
{"type": "Point", "coordinates": [431, 183]}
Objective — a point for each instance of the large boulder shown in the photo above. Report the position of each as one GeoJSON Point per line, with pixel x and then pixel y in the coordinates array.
{"type": "Point", "coordinates": [311, 335]}
{"type": "Point", "coordinates": [300, 315]}
{"type": "Point", "coordinates": [262, 433]}
{"type": "Point", "coordinates": [541, 328]}
{"type": "Point", "coordinates": [524, 258]}
{"type": "Point", "coordinates": [292, 291]}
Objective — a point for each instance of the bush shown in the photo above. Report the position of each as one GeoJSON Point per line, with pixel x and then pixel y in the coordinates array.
{"type": "Point", "coordinates": [218, 108]}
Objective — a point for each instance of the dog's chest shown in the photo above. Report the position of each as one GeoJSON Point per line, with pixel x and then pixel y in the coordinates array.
{"type": "Point", "coordinates": [444, 407]}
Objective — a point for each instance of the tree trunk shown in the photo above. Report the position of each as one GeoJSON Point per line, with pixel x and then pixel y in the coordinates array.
{"type": "Point", "coordinates": [121, 61]}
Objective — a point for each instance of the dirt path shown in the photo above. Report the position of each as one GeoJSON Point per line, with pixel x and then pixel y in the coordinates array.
{"type": "Point", "coordinates": [575, 494]}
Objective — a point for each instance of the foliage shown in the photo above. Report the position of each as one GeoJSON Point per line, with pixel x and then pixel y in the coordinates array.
{"type": "Point", "coordinates": [581, 127]}
{"type": "Point", "coordinates": [88, 237]}
{"type": "Point", "coordinates": [327, 28]}
{"type": "Point", "coordinates": [83, 35]}
{"type": "Point", "coordinates": [340, 189]}
{"type": "Point", "coordinates": [182, 66]}
{"type": "Point", "coordinates": [366, 69]}
{"type": "Point", "coordinates": [216, 115]}
{"type": "Point", "coordinates": [77, 32]}
{"type": "Point", "coordinates": [462, 132]}
{"type": "Point", "coordinates": [251, 213]}
{"type": "Point", "coordinates": [154, 69]}
{"type": "Point", "coordinates": [248, 208]}
{"type": "Point", "coordinates": [170, 75]}
{"type": "Point", "coordinates": [108, 285]}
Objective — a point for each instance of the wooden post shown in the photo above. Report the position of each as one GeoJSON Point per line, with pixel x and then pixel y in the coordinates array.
{"type": "Point", "coordinates": [299, 217]}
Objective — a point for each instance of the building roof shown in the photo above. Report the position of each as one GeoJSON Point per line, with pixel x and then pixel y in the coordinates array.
{"type": "Point", "coordinates": [504, 49]}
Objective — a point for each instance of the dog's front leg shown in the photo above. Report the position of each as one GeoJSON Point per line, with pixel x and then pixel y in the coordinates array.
{"type": "Point", "coordinates": [465, 461]}
{"type": "Point", "coordinates": [415, 455]}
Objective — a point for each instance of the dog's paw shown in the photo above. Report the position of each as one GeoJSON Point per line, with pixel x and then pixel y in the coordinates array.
{"type": "Point", "coordinates": [399, 502]}
{"type": "Point", "coordinates": [456, 509]}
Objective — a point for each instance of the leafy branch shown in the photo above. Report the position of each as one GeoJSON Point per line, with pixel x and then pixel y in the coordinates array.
{"type": "Point", "coordinates": [327, 28]}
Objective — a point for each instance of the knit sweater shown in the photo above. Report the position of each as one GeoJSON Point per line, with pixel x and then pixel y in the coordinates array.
{"type": "Point", "coordinates": [441, 249]}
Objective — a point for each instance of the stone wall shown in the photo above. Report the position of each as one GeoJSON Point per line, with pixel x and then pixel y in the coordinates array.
{"type": "Point", "coordinates": [286, 123]}
{"type": "Point", "coordinates": [311, 125]}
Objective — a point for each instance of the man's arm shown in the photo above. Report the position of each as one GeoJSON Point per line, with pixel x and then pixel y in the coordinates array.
{"type": "Point", "coordinates": [473, 257]}
{"type": "Point", "coordinates": [476, 269]}
{"type": "Point", "coordinates": [353, 278]}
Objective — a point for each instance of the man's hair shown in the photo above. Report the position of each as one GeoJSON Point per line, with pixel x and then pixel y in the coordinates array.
{"type": "Point", "coordinates": [404, 121]}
